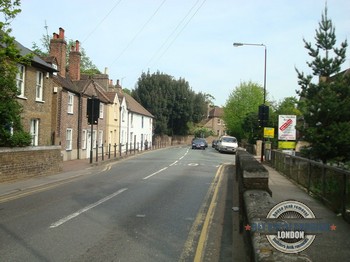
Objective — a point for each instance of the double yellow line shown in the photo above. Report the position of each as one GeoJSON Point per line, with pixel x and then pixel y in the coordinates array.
{"type": "Point", "coordinates": [206, 219]}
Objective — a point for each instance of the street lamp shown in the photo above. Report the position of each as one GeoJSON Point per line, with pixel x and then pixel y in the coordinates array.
{"type": "Point", "coordinates": [242, 44]}
{"type": "Point", "coordinates": [263, 108]}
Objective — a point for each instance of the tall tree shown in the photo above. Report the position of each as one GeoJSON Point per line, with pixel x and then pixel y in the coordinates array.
{"type": "Point", "coordinates": [325, 105]}
{"type": "Point", "coordinates": [11, 129]}
{"type": "Point", "coordinates": [171, 101]}
{"type": "Point", "coordinates": [244, 100]}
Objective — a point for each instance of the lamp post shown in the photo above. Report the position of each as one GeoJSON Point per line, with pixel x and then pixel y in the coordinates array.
{"type": "Point", "coordinates": [264, 101]}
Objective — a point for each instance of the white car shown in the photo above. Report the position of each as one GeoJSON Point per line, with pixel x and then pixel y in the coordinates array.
{"type": "Point", "coordinates": [227, 144]}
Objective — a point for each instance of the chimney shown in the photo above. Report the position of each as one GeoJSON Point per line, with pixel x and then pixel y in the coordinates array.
{"type": "Point", "coordinates": [58, 47]}
{"type": "Point", "coordinates": [74, 62]}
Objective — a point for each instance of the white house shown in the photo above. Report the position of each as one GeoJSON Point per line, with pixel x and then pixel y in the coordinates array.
{"type": "Point", "coordinates": [140, 122]}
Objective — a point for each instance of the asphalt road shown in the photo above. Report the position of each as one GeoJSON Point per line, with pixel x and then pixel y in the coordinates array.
{"type": "Point", "coordinates": [144, 208]}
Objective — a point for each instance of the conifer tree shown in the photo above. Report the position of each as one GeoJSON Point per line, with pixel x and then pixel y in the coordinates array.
{"type": "Point", "coordinates": [325, 104]}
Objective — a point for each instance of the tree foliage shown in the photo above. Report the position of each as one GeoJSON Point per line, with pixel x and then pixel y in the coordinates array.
{"type": "Point", "coordinates": [325, 105]}
{"type": "Point", "coordinates": [11, 129]}
{"type": "Point", "coordinates": [171, 101]}
{"type": "Point", "coordinates": [243, 102]}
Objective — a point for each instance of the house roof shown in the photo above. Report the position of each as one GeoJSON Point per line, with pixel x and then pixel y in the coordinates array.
{"type": "Point", "coordinates": [135, 107]}
{"type": "Point", "coordinates": [91, 88]}
{"type": "Point", "coordinates": [216, 112]}
{"type": "Point", "coordinates": [111, 95]}
{"type": "Point", "coordinates": [36, 60]}
{"type": "Point", "coordinates": [66, 83]}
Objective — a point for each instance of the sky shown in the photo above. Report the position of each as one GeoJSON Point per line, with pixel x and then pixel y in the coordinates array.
{"type": "Point", "coordinates": [190, 39]}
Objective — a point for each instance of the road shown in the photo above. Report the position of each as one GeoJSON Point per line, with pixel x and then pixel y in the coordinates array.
{"type": "Point", "coordinates": [145, 208]}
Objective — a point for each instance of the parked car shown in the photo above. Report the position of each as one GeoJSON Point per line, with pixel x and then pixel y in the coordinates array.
{"type": "Point", "coordinates": [199, 143]}
{"type": "Point", "coordinates": [227, 144]}
{"type": "Point", "coordinates": [214, 143]}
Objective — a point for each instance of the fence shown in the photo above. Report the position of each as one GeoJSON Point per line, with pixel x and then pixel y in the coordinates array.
{"type": "Point", "coordinates": [330, 184]}
{"type": "Point", "coordinates": [110, 151]}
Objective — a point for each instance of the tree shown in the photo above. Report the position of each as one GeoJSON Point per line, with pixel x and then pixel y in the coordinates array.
{"type": "Point", "coordinates": [325, 105]}
{"type": "Point", "coordinates": [11, 129]}
{"type": "Point", "coordinates": [245, 99]}
{"type": "Point", "coordinates": [172, 102]}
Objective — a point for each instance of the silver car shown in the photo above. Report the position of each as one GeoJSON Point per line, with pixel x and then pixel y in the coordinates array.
{"type": "Point", "coordinates": [227, 144]}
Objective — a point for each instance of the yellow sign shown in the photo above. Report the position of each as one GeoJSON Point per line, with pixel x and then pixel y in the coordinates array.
{"type": "Point", "coordinates": [286, 144]}
{"type": "Point", "coordinates": [269, 132]}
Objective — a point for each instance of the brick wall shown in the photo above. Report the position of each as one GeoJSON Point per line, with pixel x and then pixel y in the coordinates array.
{"type": "Point", "coordinates": [28, 162]}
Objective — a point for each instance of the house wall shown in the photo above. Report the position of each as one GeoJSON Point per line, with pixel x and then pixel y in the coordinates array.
{"type": "Point", "coordinates": [139, 131]}
{"type": "Point", "coordinates": [68, 120]}
{"type": "Point", "coordinates": [217, 125]}
{"type": "Point", "coordinates": [113, 120]}
{"type": "Point", "coordinates": [33, 109]}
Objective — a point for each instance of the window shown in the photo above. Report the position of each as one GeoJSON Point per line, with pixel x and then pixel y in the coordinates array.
{"type": "Point", "coordinates": [39, 86]}
{"type": "Point", "coordinates": [100, 138]}
{"type": "Point", "coordinates": [123, 114]}
{"type": "Point", "coordinates": [101, 110]}
{"type": "Point", "coordinates": [142, 121]}
{"type": "Point", "coordinates": [83, 139]}
{"type": "Point", "coordinates": [132, 119]}
{"type": "Point", "coordinates": [20, 77]}
{"type": "Point", "coordinates": [94, 139]}
{"type": "Point", "coordinates": [34, 131]}
{"type": "Point", "coordinates": [219, 121]}
{"type": "Point", "coordinates": [70, 103]}
{"type": "Point", "coordinates": [69, 135]}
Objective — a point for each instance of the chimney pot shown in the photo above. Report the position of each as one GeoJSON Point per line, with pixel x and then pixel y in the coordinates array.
{"type": "Point", "coordinates": [61, 33]}
{"type": "Point", "coordinates": [77, 45]}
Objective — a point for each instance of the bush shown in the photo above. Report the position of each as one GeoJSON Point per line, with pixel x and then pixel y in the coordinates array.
{"type": "Point", "coordinates": [20, 138]}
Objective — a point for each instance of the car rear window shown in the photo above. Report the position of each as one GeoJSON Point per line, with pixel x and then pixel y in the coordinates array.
{"type": "Point", "coordinates": [229, 139]}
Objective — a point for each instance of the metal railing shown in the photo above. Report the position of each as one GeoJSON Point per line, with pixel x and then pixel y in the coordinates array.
{"type": "Point", "coordinates": [330, 184]}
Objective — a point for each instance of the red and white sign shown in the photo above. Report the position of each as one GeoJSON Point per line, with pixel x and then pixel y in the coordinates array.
{"type": "Point", "coordinates": [286, 127]}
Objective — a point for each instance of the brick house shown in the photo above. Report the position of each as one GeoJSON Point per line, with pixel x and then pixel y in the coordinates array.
{"type": "Point", "coordinates": [215, 121]}
{"type": "Point", "coordinates": [70, 127]}
{"type": "Point", "coordinates": [35, 85]}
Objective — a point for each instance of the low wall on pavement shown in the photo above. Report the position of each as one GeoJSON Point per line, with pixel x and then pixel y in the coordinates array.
{"type": "Point", "coordinates": [255, 200]}
{"type": "Point", "coordinates": [26, 162]}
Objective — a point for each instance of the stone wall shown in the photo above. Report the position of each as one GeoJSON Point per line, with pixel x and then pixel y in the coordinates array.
{"type": "Point", "coordinates": [27, 162]}
{"type": "Point", "coordinates": [255, 200]}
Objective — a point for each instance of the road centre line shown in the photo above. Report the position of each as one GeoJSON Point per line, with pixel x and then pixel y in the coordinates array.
{"type": "Point", "coordinates": [161, 170]}
{"type": "Point", "coordinates": [174, 163]}
{"type": "Point", "coordinates": [79, 212]}
{"type": "Point", "coordinates": [147, 177]}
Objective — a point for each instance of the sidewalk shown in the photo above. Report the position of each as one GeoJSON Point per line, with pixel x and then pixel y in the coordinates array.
{"type": "Point", "coordinates": [329, 246]}
{"type": "Point", "coordinates": [70, 170]}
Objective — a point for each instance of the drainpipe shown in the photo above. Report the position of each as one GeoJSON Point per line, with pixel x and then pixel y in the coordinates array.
{"type": "Point", "coordinates": [80, 107]}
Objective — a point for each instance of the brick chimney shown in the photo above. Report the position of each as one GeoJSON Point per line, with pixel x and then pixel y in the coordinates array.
{"type": "Point", "coordinates": [74, 61]}
{"type": "Point", "coordinates": [58, 47]}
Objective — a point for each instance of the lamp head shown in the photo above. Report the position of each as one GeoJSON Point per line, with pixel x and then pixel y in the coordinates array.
{"type": "Point", "coordinates": [237, 44]}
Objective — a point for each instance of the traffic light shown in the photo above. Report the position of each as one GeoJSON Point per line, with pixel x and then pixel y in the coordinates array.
{"type": "Point", "coordinates": [263, 116]}
{"type": "Point", "coordinates": [93, 110]}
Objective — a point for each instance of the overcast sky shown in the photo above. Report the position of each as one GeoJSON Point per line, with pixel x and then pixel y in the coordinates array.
{"type": "Point", "coordinates": [191, 39]}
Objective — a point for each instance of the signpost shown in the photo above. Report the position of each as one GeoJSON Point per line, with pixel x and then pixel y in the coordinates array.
{"type": "Point", "coordinates": [286, 131]}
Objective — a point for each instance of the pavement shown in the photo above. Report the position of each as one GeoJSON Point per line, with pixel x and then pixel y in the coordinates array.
{"type": "Point", "coordinates": [328, 246]}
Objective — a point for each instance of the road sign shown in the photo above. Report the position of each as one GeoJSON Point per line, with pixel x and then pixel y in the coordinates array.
{"type": "Point", "coordinates": [269, 132]}
{"type": "Point", "coordinates": [286, 127]}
